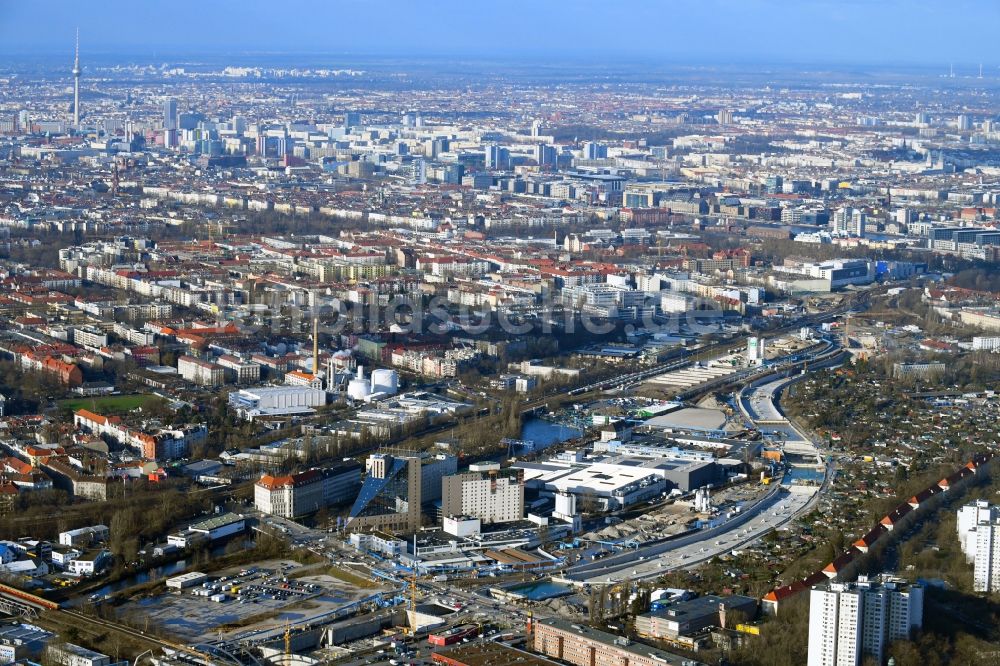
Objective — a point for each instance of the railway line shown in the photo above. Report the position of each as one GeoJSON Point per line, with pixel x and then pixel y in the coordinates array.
{"type": "Point", "coordinates": [31, 606]}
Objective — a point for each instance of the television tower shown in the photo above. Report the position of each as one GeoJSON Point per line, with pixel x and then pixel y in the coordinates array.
{"type": "Point", "coordinates": [76, 83]}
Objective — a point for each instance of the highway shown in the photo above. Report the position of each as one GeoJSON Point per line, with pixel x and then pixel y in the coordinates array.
{"type": "Point", "coordinates": [782, 504]}
{"type": "Point", "coordinates": [775, 510]}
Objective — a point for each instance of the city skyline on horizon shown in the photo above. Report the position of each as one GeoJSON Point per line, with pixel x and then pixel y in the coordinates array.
{"type": "Point", "coordinates": [751, 32]}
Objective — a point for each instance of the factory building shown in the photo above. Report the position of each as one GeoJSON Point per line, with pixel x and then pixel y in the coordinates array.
{"type": "Point", "coordinates": [276, 401]}
{"type": "Point", "coordinates": [581, 645]}
{"type": "Point", "coordinates": [689, 617]}
{"type": "Point", "coordinates": [616, 481]}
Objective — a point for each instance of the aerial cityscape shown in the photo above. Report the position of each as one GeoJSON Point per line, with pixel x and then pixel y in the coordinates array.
{"type": "Point", "coordinates": [379, 333]}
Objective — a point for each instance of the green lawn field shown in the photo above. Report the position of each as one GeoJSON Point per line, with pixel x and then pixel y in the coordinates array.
{"type": "Point", "coordinates": [107, 404]}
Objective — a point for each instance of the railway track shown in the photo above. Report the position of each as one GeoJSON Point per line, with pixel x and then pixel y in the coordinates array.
{"type": "Point", "coordinates": [116, 626]}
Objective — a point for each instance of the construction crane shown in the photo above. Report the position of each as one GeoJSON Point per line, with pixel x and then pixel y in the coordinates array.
{"type": "Point", "coordinates": [413, 596]}
{"type": "Point", "coordinates": [218, 226]}
{"type": "Point", "coordinates": [288, 638]}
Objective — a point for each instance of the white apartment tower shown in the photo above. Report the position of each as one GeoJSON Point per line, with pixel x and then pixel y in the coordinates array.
{"type": "Point", "coordinates": [979, 535]}
{"type": "Point", "coordinates": [849, 221]}
{"type": "Point", "coordinates": [848, 621]}
{"type": "Point", "coordinates": [485, 492]}
{"type": "Point", "coordinates": [986, 564]}
{"type": "Point", "coordinates": [969, 518]}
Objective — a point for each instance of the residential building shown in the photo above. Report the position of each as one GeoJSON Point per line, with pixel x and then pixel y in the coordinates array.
{"type": "Point", "coordinates": [485, 492]}
{"type": "Point", "coordinates": [969, 518]}
{"type": "Point", "coordinates": [201, 372]}
{"type": "Point", "coordinates": [239, 371]}
{"type": "Point", "coordinates": [979, 535]}
{"type": "Point", "coordinates": [986, 565]}
{"type": "Point", "coordinates": [848, 621]}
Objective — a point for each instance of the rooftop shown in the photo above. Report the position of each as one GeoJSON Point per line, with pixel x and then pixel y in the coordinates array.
{"type": "Point", "coordinates": [704, 606]}
{"type": "Point", "coordinates": [695, 418]}
{"type": "Point", "coordinates": [216, 522]}
{"type": "Point", "coordinates": [491, 654]}
{"type": "Point", "coordinates": [619, 643]}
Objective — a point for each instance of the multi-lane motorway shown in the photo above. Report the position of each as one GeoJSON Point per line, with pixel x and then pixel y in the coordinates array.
{"type": "Point", "coordinates": [775, 510]}
{"type": "Point", "coordinates": [779, 506]}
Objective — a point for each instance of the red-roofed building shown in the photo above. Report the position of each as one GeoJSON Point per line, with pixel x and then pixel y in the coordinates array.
{"type": "Point", "coordinates": [289, 496]}
{"type": "Point", "coordinates": [895, 517]}
{"type": "Point", "coordinates": [299, 378]}
{"type": "Point", "coordinates": [67, 373]}
{"type": "Point", "coordinates": [15, 466]}
{"type": "Point", "coordinates": [867, 541]}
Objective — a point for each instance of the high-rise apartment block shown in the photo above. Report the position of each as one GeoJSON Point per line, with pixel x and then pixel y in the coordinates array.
{"type": "Point", "coordinates": [979, 535]}
{"type": "Point", "coordinates": [485, 492]}
{"type": "Point", "coordinates": [594, 151]}
{"type": "Point", "coordinates": [848, 621]}
{"type": "Point", "coordinates": [496, 157]}
{"type": "Point", "coordinates": [546, 155]}
{"type": "Point", "coordinates": [170, 114]}
{"type": "Point", "coordinates": [849, 222]}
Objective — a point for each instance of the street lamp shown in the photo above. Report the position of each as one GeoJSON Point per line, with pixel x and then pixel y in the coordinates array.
{"type": "Point", "coordinates": [141, 655]}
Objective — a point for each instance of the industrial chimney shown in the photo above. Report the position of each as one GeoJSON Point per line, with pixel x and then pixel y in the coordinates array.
{"type": "Point", "coordinates": [315, 347]}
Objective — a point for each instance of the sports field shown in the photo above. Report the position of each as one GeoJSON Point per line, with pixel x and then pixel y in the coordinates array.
{"type": "Point", "coordinates": [107, 404]}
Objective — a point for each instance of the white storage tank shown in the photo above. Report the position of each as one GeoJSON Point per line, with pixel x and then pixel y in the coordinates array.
{"type": "Point", "coordinates": [357, 388]}
{"type": "Point", "coordinates": [385, 381]}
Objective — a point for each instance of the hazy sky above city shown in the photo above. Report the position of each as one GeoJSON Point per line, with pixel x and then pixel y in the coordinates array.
{"type": "Point", "coordinates": [686, 31]}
